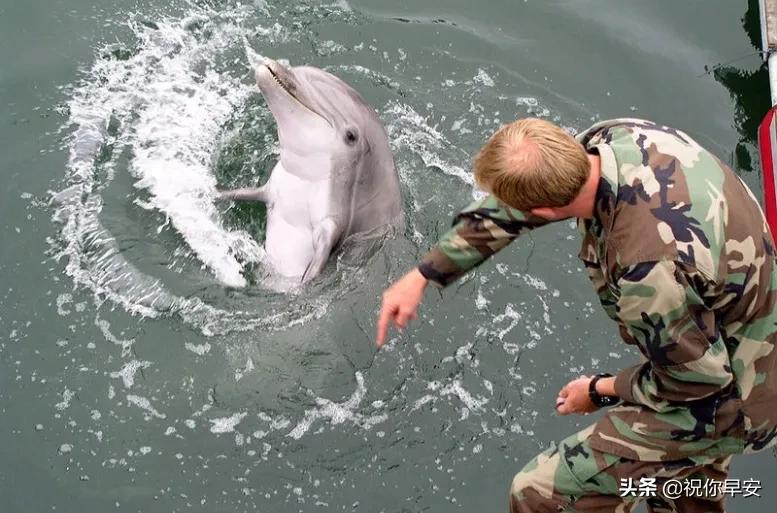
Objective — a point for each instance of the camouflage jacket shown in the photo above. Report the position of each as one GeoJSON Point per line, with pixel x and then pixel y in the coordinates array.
{"type": "Point", "coordinates": [681, 257]}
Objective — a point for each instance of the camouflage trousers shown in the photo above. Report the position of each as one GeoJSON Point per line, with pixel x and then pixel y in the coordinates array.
{"type": "Point", "coordinates": [573, 477]}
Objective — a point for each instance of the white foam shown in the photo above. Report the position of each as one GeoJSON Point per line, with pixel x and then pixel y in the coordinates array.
{"type": "Point", "coordinates": [255, 59]}
{"type": "Point", "coordinates": [338, 413]}
{"type": "Point", "coordinates": [375, 76]}
{"type": "Point", "coordinates": [455, 388]}
{"type": "Point", "coordinates": [421, 401]}
{"type": "Point", "coordinates": [249, 366]}
{"type": "Point", "coordinates": [62, 300]}
{"type": "Point", "coordinates": [226, 424]}
{"type": "Point", "coordinates": [534, 282]}
{"type": "Point", "coordinates": [408, 130]}
{"type": "Point", "coordinates": [105, 328]}
{"type": "Point", "coordinates": [342, 4]}
{"type": "Point", "coordinates": [127, 372]}
{"type": "Point", "coordinates": [169, 115]}
{"type": "Point", "coordinates": [67, 396]}
{"type": "Point", "coordinates": [484, 78]}
{"type": "Point", "coordinates": [511, 315]}
{"type": "Point", "coordinates": [144, 404]}
{"type": "Point", "coordinates": [198, 349]}
{"type": "Point", "coordinates": [481, 303]}
{"type": "Point", "coordinates": [176, 135]}
{"type": "Point", "coordinates": [533, 106]}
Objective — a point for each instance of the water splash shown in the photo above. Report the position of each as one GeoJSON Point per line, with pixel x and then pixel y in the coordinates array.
{"type": "Point", "coordinates": [164, 103]}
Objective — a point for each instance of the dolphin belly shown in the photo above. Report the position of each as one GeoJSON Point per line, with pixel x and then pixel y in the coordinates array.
{"type": "Point", "coordinates": [289, 248]}
{"type": "Point", "coordinates": [296, 208]}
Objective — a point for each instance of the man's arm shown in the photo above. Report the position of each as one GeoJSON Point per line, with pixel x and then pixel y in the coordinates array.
{"type": "Point", "coordinates": [482, 229]}
{"type": "Point", "coordinates": [479, 231]}
{"type": "Point", "coordinates": [687, 357]}
{"type": "Point", "coordinates": [606, 386]}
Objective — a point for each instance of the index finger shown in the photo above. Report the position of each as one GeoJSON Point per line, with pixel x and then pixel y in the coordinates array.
{"type": "Point", "coordinates": [383, 322]}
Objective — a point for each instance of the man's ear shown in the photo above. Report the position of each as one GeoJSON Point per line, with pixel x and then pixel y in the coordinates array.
{"type": "Point", "coordinates": [545, 212]}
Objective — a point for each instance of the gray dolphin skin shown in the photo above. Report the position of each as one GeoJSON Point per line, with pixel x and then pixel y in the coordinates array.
{"type": "Point", "coordinates": [335, 176]}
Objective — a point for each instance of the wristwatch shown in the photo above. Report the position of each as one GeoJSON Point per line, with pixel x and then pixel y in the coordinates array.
{"type": "Point", "coordinates": [600, 401]}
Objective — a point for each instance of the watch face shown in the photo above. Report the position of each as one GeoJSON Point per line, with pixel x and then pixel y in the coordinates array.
{"type": "Point", "coordinates": [608, 401]}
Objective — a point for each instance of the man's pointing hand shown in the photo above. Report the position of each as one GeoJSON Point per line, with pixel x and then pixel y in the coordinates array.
{"type": "Point", "coordinates": [400, 303]}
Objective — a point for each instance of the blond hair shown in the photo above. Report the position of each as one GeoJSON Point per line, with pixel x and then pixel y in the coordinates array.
{"type": "Point", "coordinates": [532, 163]}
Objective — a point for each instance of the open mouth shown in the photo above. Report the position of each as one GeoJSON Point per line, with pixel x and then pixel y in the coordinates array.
{"type": "Point", "coordinates": [278, 81]}
{"type": "Point", "coordinates": [288, 91]}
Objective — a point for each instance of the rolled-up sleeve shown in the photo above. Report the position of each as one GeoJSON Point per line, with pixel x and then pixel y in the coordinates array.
{"type": "Point", "coordinates": [666, 316]}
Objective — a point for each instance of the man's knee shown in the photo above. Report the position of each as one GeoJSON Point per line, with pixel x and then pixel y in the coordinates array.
{"type": "Point", "coordinates": [534, 488]}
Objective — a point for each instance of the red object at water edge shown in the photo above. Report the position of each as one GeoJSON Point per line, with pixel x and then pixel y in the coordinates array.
{"type": "Point", "coordinates": [767, 143]}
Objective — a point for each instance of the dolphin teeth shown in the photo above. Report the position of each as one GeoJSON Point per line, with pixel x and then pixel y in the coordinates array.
{"type": "Point", "coordinates": [278, 81]}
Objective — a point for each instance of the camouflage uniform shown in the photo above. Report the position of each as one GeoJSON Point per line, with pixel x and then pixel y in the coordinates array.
{"type": "Point", "coordinates": [682, 260]}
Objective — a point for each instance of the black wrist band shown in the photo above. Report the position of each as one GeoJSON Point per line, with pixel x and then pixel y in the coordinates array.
{"type": "Point", "coordinates": [425, 271]}
{"type": "Point", "coordinates": [600, 401]}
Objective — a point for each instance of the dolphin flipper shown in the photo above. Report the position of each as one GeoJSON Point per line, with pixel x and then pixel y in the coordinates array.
{"type": "Point", "coordinates": [325, 239]}
{"type": "Point", "coordinates": [250, 194]}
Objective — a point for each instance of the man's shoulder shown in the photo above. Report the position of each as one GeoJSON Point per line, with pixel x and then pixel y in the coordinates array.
{"type": "Point", "coordinates": [635, 135]}
{"type": "Point", "coordinates": [674, 199]}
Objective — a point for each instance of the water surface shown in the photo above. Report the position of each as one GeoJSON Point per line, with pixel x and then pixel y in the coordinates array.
{"type": "Point", "coordinates": [132, 379]}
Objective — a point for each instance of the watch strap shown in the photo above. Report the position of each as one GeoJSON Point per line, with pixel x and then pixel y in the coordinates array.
{"type": "Point", "coordinates": [600, 401]}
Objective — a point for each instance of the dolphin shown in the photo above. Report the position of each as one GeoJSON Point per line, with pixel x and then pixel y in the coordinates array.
{"type": "Point", "coordinates": [335, 176]}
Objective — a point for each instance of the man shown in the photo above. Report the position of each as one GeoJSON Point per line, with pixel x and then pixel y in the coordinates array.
{"type": "Point", "coordinates": [680, 255]}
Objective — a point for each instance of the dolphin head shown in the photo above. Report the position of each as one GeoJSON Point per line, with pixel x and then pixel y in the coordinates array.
{"type": "Point", "coordinates": [327, 130]}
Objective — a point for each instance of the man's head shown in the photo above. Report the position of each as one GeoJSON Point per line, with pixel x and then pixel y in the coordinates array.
{"type": "Point", "coordinates": [534, 166]}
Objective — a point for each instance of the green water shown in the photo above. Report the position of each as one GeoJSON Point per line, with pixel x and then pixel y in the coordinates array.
{"type": "Point", "coordinates": [131, 380]}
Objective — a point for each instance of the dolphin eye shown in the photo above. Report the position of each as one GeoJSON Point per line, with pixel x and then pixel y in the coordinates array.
{"type": "Point", "coordinates": [351, 137]}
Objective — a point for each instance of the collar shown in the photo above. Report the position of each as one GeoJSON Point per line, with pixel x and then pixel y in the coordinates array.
{"type": "Point", "coordinates": [607, 191]}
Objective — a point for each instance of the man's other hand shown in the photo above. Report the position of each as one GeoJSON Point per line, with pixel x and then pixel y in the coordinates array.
{"type": "Point", "coordinates": [400, 303]}
{"type": "Point", "coordinates": [573, 398]}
